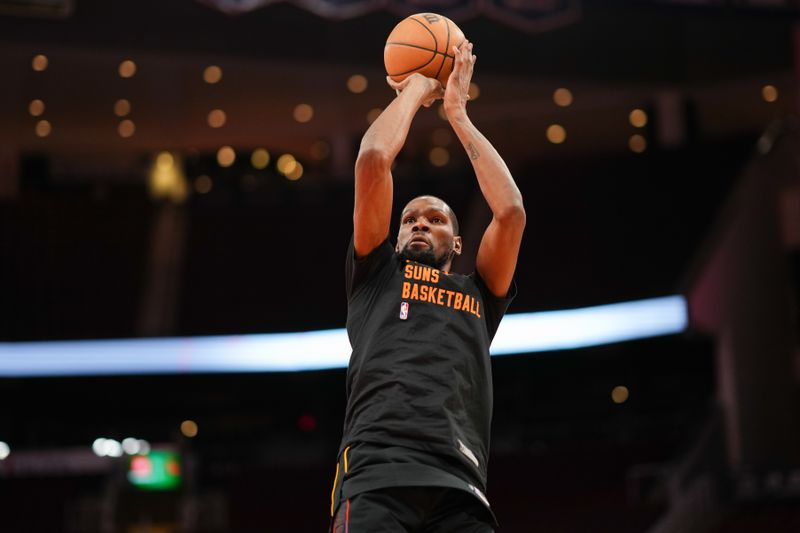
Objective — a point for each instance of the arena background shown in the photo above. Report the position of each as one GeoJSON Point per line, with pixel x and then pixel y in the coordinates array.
{"type": "Point", "coordinates": [142, 194]}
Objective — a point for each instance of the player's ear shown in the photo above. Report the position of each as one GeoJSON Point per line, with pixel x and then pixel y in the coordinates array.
{"type": "Point", "coordinates": [457, 245]}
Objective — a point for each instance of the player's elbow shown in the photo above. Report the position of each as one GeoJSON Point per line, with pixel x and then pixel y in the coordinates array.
{"type": "Point", "coordinates": [372, 161]}
{"type": "Point", "coordinates": [512, 215]}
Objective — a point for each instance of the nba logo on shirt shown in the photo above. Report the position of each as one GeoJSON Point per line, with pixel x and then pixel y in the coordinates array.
{"type": "Point", "coordinates": [403, 310]}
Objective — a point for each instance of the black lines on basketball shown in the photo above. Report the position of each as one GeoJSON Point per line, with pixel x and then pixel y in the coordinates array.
{"type": "Point", "coordinates": [435, 41]}
{"type": "Point", "coordinates": [421, 46]}
{"type": "Point", "coordinates": [446, 48]}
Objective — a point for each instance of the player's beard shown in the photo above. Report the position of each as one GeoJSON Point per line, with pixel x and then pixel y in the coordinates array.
{"type": "Point", "coordinates": [427, 256]}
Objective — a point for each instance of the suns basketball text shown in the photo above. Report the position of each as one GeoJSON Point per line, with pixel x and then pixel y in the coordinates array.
{"type": "Point", "coordinates": [415, 290]}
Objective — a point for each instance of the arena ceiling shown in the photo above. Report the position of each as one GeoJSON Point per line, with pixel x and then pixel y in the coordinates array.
{"type": "Point", "coordinates": [612, 60]}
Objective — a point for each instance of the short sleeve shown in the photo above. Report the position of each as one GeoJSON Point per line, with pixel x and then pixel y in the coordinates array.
{"type": "Point", "coordinates": [495, 308]}
{"type": "Point", "coordinates": [359, 270]}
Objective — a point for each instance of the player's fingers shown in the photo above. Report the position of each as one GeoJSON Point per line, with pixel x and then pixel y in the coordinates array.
{"type": "Point", "coordinates": [462, 59]}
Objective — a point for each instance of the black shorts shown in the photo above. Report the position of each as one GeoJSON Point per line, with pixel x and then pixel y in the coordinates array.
{"type": "Point", "coordinates": [412, 510]}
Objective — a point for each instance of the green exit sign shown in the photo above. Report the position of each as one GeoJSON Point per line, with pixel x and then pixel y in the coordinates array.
{"type": "Point", "coordinates": [158, 470]}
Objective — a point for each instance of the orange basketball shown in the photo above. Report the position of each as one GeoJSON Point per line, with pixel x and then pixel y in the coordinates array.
{"type": "Point", "coordinates": [422, 43]}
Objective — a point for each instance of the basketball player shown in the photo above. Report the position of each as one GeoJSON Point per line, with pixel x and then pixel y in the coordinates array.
{"type": "Point", "coordinates": [419, 386]}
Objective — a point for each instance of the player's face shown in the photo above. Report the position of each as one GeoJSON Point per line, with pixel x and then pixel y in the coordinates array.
{"type": "Point", "coordinates": [426, 233]}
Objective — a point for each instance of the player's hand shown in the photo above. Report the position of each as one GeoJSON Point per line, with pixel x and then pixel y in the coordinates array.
{"type": "Point", "coordinates": [457, 92]}
{"type": "Point", "coordinates": [432, 88]}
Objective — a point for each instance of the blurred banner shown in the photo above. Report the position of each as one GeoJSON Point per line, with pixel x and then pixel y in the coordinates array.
{"type": "Point", "coordinates": [748, 4]}
{"type": "Point", "coordinates": [36, 8]}
{"type": "Point", "coordinates": [526, 15]}
{"type": "Point", "coordinates": [531, 16]}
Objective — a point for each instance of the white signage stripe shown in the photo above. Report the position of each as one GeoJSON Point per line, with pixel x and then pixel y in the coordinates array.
{"type": "Point", "coordinates": [317, 350]}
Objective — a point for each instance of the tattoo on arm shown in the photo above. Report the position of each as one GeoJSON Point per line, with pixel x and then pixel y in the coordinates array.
{"type": "Point", "coordinates": [473, 152]}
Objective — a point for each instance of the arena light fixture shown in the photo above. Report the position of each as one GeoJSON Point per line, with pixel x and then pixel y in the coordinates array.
{"type": "Point", "coordinates": [5, 450]}
{"type": "Point", "coordinates": [637, 143]}
{"type": "Point", "coordinates": [122, 107]}
{"type": "Point", "coordinates": [637, 118]}
{"type": "Point", "coordinates": [127, 69]}
{"type": "Point", "coordinates": [357, 83]}
{"type": "Point", "coordinates": [43, 128]}
{"type": "Point", "coordinates": [36, 108]}
{"type": "Point", "coordinates": [39, 63]}
{"type": "Point", "coordinates": [212, 74]}
{"type": "Point", "coordinates": [126, 128]}
{"type": "Point", "coordinates": [769, 93]}
{"type": "Point", "coordinates": [556, 133]}
{"type": "Point", "coordinates": [216, 118]}
{"type": "Point", "coordinates": [203, 184]}
{"type": "Point", "coordinates": [520, 333]}
{"type": "Point", "coordinates": [562, 97]}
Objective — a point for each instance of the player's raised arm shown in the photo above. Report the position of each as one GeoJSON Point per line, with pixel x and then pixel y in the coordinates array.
{"type": "Point", "coordinates": [379, 147]}
{"type": "Point", "coordinates": [499, 248]}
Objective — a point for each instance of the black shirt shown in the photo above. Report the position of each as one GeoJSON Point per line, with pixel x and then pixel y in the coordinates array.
{"type": "Point", "coordinates": [419, 383]}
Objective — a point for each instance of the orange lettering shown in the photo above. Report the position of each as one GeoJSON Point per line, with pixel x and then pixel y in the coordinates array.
{"type": "Point", "coordinates": [457, 303]}
{"type": "Point", "coordinates": [409, 270]}
{"type": "Point", "coordinates": [406, 289]}
{"type": "Point", "coordinates": [440, 298]}
{"type": "Point", "coordinates": [435, 276]}
{"type": "Point", "coordinates": [423, 292]}
{"type": "Point", "coordinates": [467, 301]}
{"type": "Point", "coordinates": [432, 294]}
{"type": "Point", "coordinates": [478, 310]}
{"type": "Point", "coordinates": [449, 297]}
{"type": "Point", "coordinates": [426, 274]}
{"type": "Point", "coordinates": [414, 292]}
